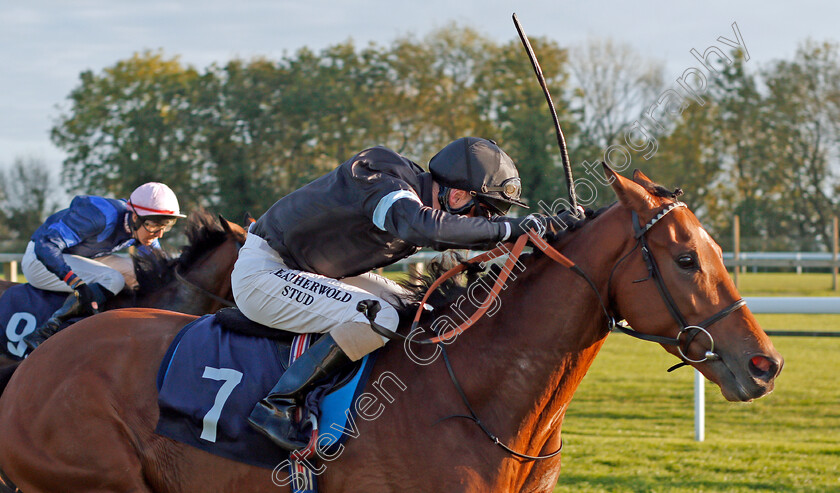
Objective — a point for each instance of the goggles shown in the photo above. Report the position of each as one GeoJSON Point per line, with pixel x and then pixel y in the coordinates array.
{"type": "Point", "coordinates": [155, 226]}
{"type": "Point", "coordinates": [510, 188]}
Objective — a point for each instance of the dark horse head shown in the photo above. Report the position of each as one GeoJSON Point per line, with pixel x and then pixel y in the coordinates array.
{"type": "Point", "coordinates": [195, 282]}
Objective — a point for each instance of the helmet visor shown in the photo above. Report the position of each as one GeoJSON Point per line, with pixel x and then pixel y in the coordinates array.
{"type": "Point", "coordinates": [494, 207]}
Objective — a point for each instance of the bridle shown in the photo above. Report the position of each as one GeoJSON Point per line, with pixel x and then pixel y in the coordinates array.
{"type": "Point", "coordinates": [370, 308]}
{"type": "Point", "coordinates": [690, 331]}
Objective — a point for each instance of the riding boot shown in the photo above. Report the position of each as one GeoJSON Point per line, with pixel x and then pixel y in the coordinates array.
{"type": "Point", "coordinates": [71, 308]}
{"type": "Point", "coordinates": [274, 416]}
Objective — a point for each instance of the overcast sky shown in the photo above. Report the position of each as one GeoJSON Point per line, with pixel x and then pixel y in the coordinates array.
{"type": "Point", "coordinates": [45, 44]}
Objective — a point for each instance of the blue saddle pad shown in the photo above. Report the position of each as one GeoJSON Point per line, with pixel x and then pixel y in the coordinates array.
{"type": "Point", "coordinates": [23, 308]}
{"type": "Point", "coordinates": [211, 379]}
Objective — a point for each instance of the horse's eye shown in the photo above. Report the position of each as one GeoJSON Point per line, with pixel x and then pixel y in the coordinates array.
{"type": "Point", "coordinates": [686, 261]}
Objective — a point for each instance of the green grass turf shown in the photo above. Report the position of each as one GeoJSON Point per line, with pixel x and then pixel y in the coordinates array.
{"type": "Point", "coordinates": [630, 427]}
{"type": "Point", "coordinates": [785, 284]}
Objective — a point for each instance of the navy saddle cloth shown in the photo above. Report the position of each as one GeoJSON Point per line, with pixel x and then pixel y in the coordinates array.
{"type": "Point", "coordinates": [23, 308]}
{"type": "Point", "coordinates": [210, 380]}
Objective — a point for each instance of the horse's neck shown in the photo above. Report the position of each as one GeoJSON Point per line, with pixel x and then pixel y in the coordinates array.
{"type": "Point", "coordinates": [178, 296]}
{"type": "Point", "coordinates": [193, 299]}
{"type": "Point", "coordinates": [535, 351]}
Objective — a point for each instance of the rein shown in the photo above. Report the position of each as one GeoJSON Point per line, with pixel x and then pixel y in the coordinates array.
{"type": "Point", "coordinates": [370, 310]}
{"type": "Point", "coordinates": [202, 291]}
{"type": "Point", "coordinates": [691, 331]}
{"type": "Point", "coordinates": [6, 482]}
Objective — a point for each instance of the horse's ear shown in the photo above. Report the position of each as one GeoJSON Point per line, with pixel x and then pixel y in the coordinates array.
{"type": "Point", "coordinates": [629, 193]}
{"type": "Point", "coordinates": [249, 219]}
{"type": "Point", "coordinates": [643, 180]}
{"type": "Point", "coordinates": [225, 225]}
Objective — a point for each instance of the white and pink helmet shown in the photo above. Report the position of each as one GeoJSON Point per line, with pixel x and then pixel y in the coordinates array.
{"type": "Point", "coordinates": [154, 199]}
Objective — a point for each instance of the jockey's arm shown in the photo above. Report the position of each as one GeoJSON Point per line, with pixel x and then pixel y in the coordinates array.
{"type": "Point", "coordinates": [410, 220]}
{"type": "Point", "coordinates": [65, 233]}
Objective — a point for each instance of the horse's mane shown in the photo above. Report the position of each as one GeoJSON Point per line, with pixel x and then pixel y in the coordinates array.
{"type": "Point", "coordinates": [156, 269]}
{"type": "Point", "coordinates": [660, 191]}
{"type": "Point", "coordinates": [417, 285]}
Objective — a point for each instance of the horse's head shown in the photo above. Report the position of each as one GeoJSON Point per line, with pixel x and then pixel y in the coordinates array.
{"type": "Point", "coordinates": [671, 283]}
{"type": "Point", "coordinates": [210, 270]}
{"type": "Point", "coordinates": [198, 281]}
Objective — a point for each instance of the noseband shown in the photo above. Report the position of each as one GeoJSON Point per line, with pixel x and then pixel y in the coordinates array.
{"type": "Point", "coordinates": [690, 331]}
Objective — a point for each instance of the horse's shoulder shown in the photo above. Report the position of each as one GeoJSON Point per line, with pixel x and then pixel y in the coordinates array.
{"type": "Point", "coordinates": [146, 313]}
{"type": "Point", "coordinates": [135, 323]}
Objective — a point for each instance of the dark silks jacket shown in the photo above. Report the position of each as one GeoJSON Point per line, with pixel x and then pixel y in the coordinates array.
{"type": "Point", "coordinates": [371, 211]}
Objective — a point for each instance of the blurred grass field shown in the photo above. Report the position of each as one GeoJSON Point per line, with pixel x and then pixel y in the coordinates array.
{"type": "Point", "coordinates": [785, 284]}
{"type": "Point", "coordinates": [630, 427]}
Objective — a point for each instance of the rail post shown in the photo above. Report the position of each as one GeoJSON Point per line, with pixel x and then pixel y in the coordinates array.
{"type": "Point", "coordinates": [699, 407]}
{"type": "Point", "coordinates": [10, 270]}
{"type": "Point", "coordinates": [736, 247]}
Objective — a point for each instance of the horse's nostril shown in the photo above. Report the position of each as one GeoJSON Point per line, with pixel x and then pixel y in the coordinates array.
{"type": "Point", "coordinates": [761, 363]}
{"type": "Point", "coordinates": [762, 368]}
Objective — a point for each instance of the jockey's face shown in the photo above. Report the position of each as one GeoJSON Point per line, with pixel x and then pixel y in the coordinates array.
{"type": "Point", "coordinates": [460, 198]}
{"type": "Point", "coordinates": [145, 236]}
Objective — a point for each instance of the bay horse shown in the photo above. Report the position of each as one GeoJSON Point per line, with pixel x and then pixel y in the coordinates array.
{"type": "Point", "coordinates": [91, 427]}
{"type": "Point", "coordinates": [196, 282]}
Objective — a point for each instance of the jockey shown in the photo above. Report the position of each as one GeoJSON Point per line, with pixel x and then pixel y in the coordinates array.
{"type": "Point", "coordinates": [306, 262]}
{"type": "Point", "coordinates": [73, 250]}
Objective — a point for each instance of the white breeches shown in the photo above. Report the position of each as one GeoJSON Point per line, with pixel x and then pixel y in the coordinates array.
{"type": "Point", "coordinates": [269, 292]}
{"type": "Point", "coordinates": [112, 272]}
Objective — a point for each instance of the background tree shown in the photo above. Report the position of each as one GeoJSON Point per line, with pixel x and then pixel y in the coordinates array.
{"type": "Point", "coordinates": [610, 87]}
{"type": "Point", "coordinates": [513, 99]}
{"type": "Point", "coordinates": [438, 96]}
{"type": "Point", "coordinates": [132, 124]}
{"type": "Point", "coordinates": [612, 84]}
{"type": "Point", "coordinates": [236, 137]}
{"type": "Point", "coordinates": [802, 114]}
{"type": "Point", "coordinates": [27, 197]}
{"type": "Point", "coordinates": [690, 157]}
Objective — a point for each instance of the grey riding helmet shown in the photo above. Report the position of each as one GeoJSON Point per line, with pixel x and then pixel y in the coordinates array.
{"type": "Point", "coordinates": [480, 167]}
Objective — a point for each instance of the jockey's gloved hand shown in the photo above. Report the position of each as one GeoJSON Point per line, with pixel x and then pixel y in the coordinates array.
{"type": "Point", "coordinates": [91, 296]}
{"type": "Point", "coordinates": [566, 221]}
{"type": "Point", "coordinates": [514, 227]}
